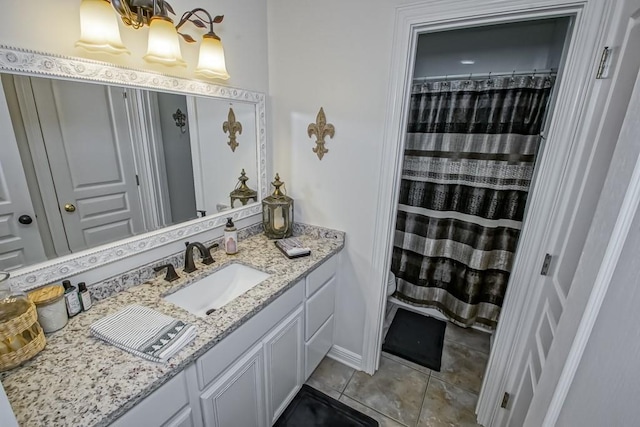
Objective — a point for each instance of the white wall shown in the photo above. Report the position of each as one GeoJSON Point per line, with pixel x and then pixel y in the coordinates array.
{"type": "Point", "coordinates": [340, 61]}
{"type": "Point", "coordinates": [54, 27]}
{"type": "Point", "coordinates": [502, 48]}
{"type": "Point", "coordinates": [218, 165]}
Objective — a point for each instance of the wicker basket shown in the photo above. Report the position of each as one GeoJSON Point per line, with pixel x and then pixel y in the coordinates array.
{"type": "Point", "coordinates": [27, 327]}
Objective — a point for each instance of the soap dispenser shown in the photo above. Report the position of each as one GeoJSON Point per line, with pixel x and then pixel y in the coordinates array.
{"type": "Point", "coordinates": [230, 237]}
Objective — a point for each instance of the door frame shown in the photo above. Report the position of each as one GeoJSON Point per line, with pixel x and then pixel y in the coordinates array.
{"type": "Point", "coordinates": [147, 140]}
{"type": "Point", "coordinates": [44, 176]}
{"type": "Point", "coordinates": [555, 169]}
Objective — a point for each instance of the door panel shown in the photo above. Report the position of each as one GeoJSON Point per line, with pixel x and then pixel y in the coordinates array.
{"type": "Point", "coordinates": [91, 160]}
{"type": "Point", "coordinates": [236, 399]}
{"type": "Point", "coordinates": [544, 352]}
{"type": "Point", "coordinates": [20, 244]}
{"type": "Point", "coordinates": [283, 364]}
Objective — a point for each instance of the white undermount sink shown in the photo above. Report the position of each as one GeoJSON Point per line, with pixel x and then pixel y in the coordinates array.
{"type": "Point", "coordinates": [217, 289]}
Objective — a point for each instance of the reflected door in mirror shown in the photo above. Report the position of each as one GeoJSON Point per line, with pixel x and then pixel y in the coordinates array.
{"type": "Point", "coordinates": [20, 244]}
{"type": "Point", "coordinates": [89, 160]}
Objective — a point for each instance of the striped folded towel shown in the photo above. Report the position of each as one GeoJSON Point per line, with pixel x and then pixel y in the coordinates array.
{"type": "Point", "coordinates": [144, 332]}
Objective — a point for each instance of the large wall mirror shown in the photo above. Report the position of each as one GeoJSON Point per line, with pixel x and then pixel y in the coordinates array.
{"type": "Point", "coordinates": [100, 162]}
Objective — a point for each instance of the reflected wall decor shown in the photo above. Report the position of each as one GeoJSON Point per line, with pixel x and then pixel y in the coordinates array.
{"type": "Point", "coordinates": [232, 127]}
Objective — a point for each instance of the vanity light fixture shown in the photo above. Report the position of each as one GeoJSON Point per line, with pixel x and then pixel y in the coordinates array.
{"type": "Point", "coordinates": [100, 32]}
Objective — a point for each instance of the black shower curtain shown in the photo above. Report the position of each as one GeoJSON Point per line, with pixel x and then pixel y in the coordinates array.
{"type": "Point", "coordinates": [468, 165]}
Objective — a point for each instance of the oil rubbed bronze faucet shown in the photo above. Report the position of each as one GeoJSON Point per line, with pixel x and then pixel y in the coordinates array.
{"type": "Point", "coordinates": [205, 253]}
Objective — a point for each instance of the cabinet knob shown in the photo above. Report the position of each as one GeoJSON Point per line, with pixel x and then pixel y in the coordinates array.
{"type": "Point", "coordinates": [69, 207]}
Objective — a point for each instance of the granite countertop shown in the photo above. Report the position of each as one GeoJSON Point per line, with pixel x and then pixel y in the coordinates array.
{"type": "Point", "coordinates": [78, 380]}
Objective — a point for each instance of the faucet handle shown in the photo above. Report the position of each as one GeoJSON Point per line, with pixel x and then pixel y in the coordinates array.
{"type": "Point", "coordinates": [171, 272]}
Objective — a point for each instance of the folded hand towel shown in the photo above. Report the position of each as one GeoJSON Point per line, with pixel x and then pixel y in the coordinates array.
{"type": "Point", "coordinates": [144, 332]}
{"type": "Point", "coordinates": [292, 247]}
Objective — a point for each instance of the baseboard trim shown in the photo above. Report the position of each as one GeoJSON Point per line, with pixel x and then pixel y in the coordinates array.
{"type": "Point", "coordinates": [346, 357]}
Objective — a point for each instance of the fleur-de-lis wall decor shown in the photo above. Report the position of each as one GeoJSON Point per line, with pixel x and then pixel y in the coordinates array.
{"type": "Point", "coordinates": [321, 129]}
{"type": "Point", "coordinates": [180, 119]}
{"type": "Point", "coordinates": [232, 127]}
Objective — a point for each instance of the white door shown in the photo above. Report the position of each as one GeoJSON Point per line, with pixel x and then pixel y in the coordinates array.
{"type": "Point", "coordinates": [20, 243]}
{"type": "Point", "coordinates": [538, 368]}
{"type": "Point", "coordinates": [89, 149]}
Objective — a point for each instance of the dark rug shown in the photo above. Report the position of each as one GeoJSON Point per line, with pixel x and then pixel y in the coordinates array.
{"type": "Point", "coordinates": [311, 408]}
{"type": "Point", "coordinates": [416, 338]}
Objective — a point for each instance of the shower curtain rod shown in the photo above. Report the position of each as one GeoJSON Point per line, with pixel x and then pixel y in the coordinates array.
{"type": "Point", "coordinates": [550, 71]}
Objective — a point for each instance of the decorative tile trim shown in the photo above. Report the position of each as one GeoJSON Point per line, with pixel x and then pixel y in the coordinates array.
{"type": "Point", "coordinates": [26, 62]}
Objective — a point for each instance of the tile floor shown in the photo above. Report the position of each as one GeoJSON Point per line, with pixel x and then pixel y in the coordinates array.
{"type": "Point", "coordinates": [402, 393]}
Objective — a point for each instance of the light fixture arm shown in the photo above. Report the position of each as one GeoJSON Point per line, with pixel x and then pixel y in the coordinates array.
{"type": "Point", "coordinates": [138, 13]}
{"type": "Point", "coordinates": [198, 22]}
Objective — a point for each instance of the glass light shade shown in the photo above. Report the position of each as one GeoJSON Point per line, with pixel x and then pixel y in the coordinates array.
{"type": "Point", "coordinates": [211, 61]}
{"type": "Point", "coordinates": [163, 46]}
{"type": "Point", "coordinates": [99, 30]}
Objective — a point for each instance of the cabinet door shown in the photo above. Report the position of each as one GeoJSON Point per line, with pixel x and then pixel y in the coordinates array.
{"type": "Point", "coordinates": [183, 419]}
{"type": "Point", "coordinates": [237, 398]}
{"type": "Point", "coordinates": [161, 407]}
{"type": "Point", "coordinates": [284, 367]}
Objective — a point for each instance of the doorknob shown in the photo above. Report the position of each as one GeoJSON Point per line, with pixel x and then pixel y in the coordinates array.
{"type": "Point", "coordinates": [69, 207]}
{"type": "Point", "coordinates": [25, 219]}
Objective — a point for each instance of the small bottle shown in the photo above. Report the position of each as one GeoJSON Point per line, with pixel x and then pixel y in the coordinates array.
{"type": "Point", "coordinates": [230, 238]}
{"type": "Point", "coordinates": [85, 296]}
{"type": "Point", "coordinates": [71, 298]}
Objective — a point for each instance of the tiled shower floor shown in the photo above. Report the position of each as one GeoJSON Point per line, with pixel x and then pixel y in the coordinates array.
{"type": "Point", "coordinates": [402, 393]}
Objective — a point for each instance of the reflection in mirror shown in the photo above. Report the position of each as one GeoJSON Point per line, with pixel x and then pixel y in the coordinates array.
{"type": "Point", "coordinates": [85, 164]}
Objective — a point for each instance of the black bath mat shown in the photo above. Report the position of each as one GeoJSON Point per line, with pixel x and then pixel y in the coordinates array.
{"type": "Point", "coordinates": [416, 338]}
{"type": "Point", "coordinates": [311, 408]}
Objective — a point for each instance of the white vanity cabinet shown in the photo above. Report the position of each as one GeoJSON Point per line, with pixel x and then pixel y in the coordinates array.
{"type": "Point", "coordinates": [255, 390]}
{"type": "Point", "coordinates": [320, 297]}
{"type": "Point", "coordinates": [168, 406]}
{"type": "Point", "coordinates": [284, 364]}
{"type": "Point", "coordinates": [250, 377]}
{"type": "Point", "coordinates": [236, 398]}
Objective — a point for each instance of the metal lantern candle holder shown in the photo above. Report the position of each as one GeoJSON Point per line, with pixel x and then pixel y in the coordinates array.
{"type": "Point", "coordinates": [277, 213]}
{"type": "Point", "coordinates": [242, 192]}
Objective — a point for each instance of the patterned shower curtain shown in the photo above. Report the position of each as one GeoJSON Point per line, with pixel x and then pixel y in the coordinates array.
{"type": "Point", "coordinates": [468, 165]}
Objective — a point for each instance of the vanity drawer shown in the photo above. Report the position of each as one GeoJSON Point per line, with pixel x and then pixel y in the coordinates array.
{"type": "Point", "coordinates": [215, 361]}
{"type": "Point", "coordinates": [320, 275]}
{"type": "Point", "coordinates": [318, 347]}
{"type": "Point", "coordinates": [319, 307]}
{"type": "Point", "coordinates": [160, 406]}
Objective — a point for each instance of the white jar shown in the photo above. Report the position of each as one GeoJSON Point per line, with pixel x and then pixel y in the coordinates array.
{"type": "Point", "coordinates": [51, 308]}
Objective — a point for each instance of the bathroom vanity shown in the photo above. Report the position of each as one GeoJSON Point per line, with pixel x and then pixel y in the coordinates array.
{"type": "Point", "coordinates": [247, 363]}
